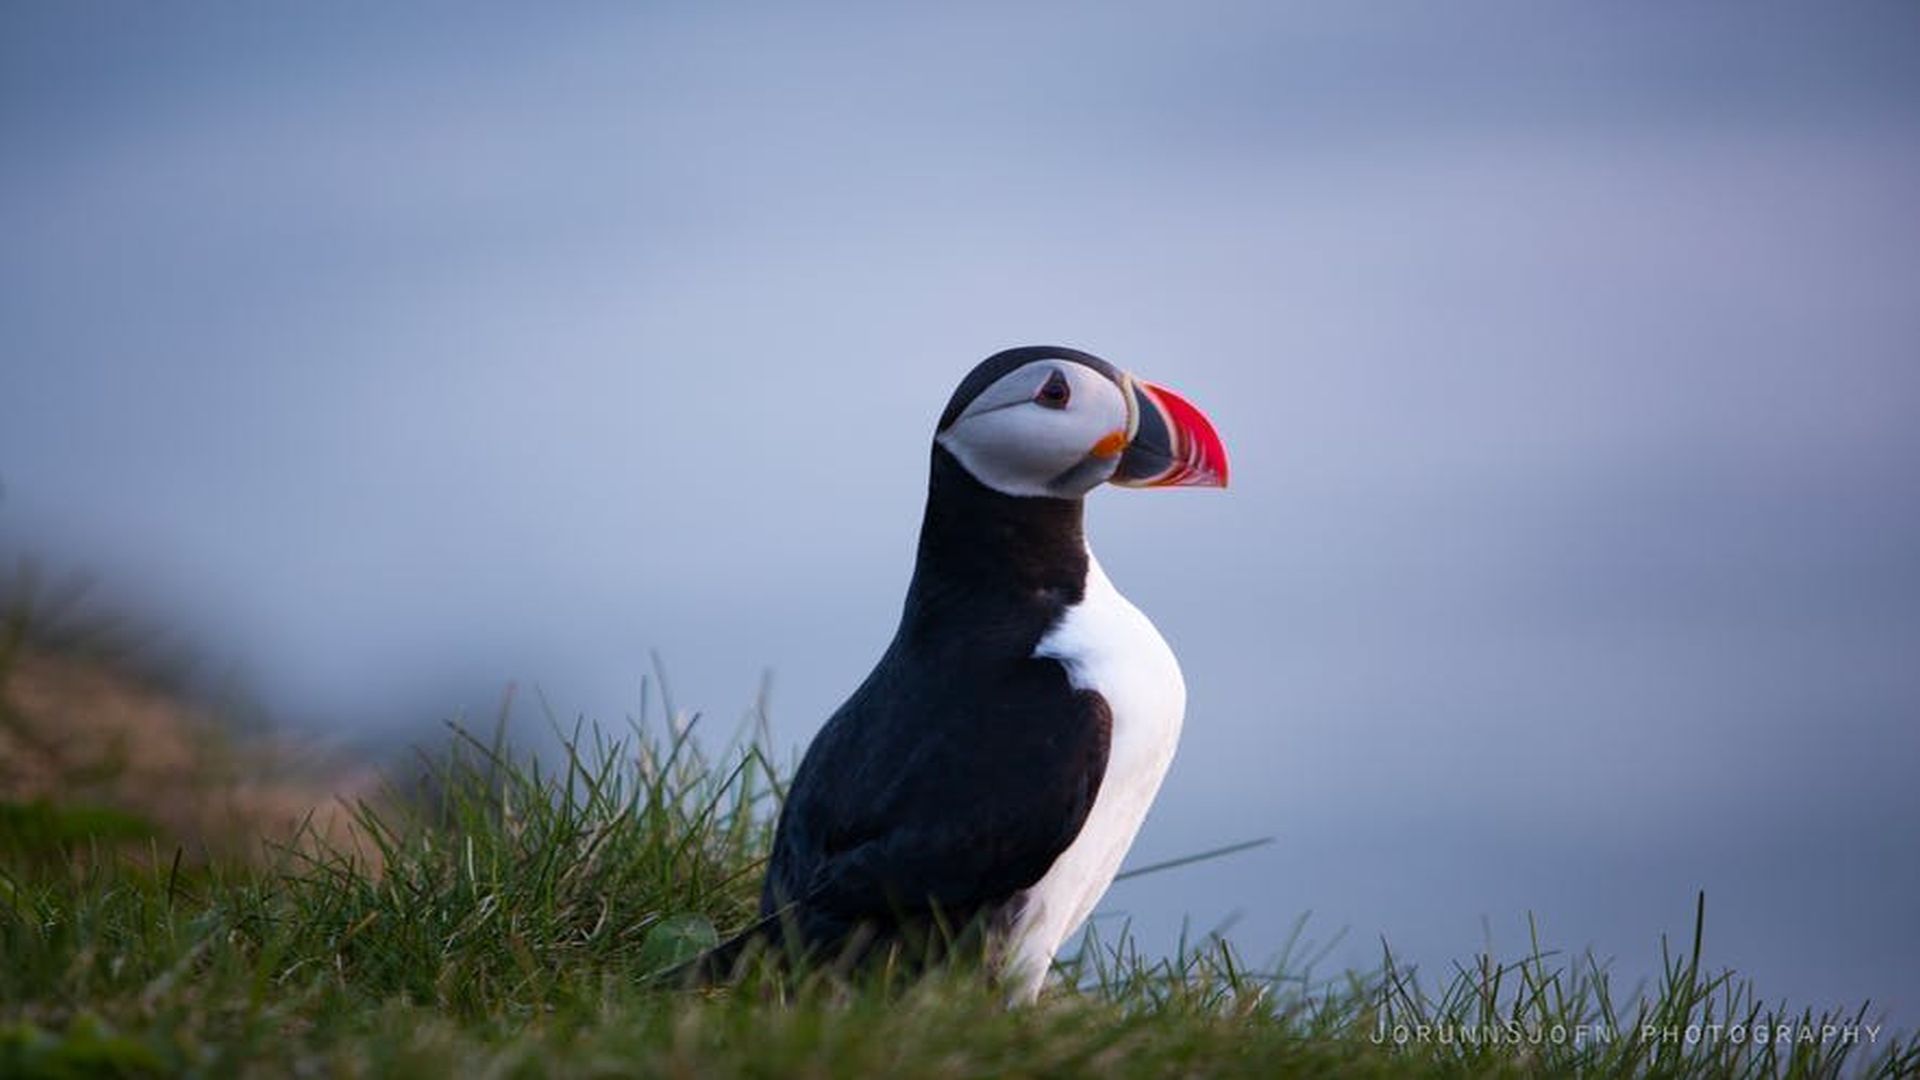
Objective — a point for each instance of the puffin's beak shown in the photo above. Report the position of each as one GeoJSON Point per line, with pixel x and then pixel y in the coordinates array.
{"type": "Point", "coordinates": [1173, 443]}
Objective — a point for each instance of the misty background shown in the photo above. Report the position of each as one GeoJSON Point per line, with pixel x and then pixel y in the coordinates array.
{"type": "Point", "coordinates": [1566, 355]}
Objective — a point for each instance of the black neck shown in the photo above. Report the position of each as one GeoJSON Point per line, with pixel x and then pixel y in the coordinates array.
{"type": "Point", "coordinates": [1014, 561]}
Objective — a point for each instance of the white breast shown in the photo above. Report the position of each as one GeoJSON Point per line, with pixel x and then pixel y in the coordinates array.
{"type": "Point", "coordinates": [1107, 646]}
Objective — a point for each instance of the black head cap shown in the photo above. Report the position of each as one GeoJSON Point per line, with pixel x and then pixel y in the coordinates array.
{"type": "Point", "coordinates": [989, 371]}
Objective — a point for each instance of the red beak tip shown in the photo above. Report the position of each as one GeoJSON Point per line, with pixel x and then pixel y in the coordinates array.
{"type": "Point", "coordinates": [1205, 455]}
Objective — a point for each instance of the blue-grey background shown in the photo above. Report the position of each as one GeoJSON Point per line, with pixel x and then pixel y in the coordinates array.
{"type": "Point", "coordinates": [1567, 356]}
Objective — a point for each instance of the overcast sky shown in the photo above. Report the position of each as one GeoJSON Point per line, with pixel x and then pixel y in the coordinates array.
{"type": "Point", "coordinates": [1569, 359]}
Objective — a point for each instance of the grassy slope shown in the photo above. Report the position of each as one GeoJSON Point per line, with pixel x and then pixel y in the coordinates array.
{"type": "Point", "coordinates": [518, 914]}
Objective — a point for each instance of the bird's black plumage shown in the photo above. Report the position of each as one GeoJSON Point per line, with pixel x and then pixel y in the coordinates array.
{"type": "Point", "coordinates": [964, 765]}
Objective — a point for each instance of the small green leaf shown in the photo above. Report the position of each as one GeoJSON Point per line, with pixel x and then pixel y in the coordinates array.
{"type": "Point", "coordinates": [677, 939]}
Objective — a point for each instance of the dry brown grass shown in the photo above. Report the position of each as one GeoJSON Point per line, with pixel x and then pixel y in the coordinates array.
{"type": "Point", "coordinates": [78, 729]}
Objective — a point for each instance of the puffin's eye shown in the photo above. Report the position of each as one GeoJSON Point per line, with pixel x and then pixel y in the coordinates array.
{"type": "Point", "coordinates": [1055, 393]}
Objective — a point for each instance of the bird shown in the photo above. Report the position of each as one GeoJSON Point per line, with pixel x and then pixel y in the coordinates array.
{"type": "Point", "coordinates": [994, 767]}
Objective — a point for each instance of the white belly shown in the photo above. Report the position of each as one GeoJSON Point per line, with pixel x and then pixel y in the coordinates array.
{"type": "Point", "coordinates": [1108, 646]}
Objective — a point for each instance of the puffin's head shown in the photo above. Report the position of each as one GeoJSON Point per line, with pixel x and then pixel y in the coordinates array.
{"type": "Point", "coordinates": [1042, 420]}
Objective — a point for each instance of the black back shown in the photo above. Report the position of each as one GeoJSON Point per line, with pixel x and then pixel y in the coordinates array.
{"type": "Point", "coordinates": [963, 766]}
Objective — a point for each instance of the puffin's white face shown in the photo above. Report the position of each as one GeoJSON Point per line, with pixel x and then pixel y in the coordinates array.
{"type": "Point", "coordinates": [1053, 427]}
{"type": "Point", "coordinates": [1044, 420]}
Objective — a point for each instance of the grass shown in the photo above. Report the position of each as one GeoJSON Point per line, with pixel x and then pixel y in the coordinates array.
{"type": "Point", "coordinates": [515, 913]}
{"type": "Point", "coordinates": [496, 917]}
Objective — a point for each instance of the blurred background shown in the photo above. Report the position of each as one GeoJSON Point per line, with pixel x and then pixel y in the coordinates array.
{"type": "Point", "coordinates": [1567, 356]}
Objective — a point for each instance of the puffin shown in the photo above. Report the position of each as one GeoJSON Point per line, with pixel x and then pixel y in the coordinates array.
{"type": "Point", "coordinates": [993, 769]}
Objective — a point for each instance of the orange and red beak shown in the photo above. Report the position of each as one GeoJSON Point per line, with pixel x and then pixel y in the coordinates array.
{"type": "Point", "coordinates": [1173, 443]}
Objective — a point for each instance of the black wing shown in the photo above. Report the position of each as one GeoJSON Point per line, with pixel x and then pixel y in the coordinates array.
{"type": "Point", "coordinates": [929, 791]}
